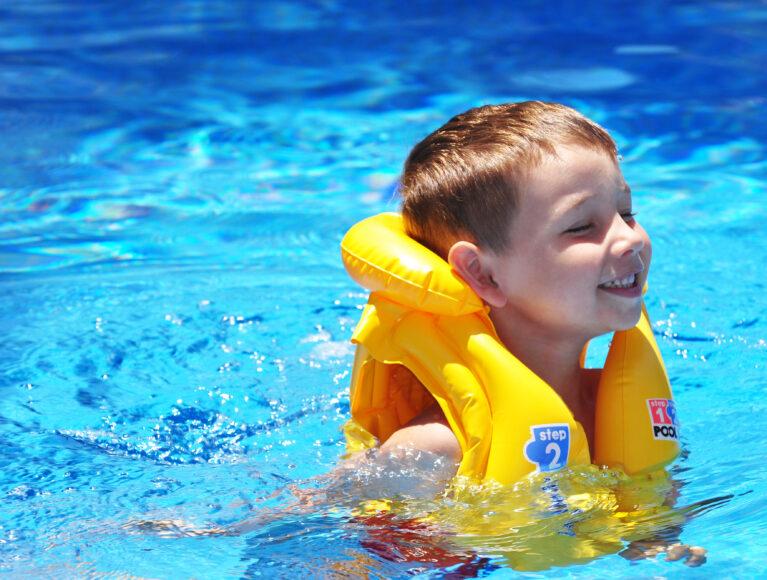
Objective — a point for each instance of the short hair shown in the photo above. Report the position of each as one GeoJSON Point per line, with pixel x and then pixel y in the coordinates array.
{"type": "Point", "coordinates": [463, 181]}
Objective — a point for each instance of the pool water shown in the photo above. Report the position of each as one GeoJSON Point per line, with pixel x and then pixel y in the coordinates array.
{"type": "Point", "coordinates": [175, 179]}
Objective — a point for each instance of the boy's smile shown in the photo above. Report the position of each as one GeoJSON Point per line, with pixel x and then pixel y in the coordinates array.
{"type": "Point", "coordinates": [577, 259]}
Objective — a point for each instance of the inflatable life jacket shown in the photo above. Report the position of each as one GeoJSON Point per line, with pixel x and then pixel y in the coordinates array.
{"type": "Point", "coordinates": [508, 421]}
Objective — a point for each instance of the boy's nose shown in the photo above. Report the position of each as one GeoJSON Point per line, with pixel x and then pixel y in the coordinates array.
{"type": "Point", "coordinates": [629, 239]}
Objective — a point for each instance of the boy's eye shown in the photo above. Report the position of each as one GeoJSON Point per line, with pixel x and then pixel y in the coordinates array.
{"type": "Point", "coordinates": [579, 229]}
{"type": "Point", "coordinates": [628, 217]}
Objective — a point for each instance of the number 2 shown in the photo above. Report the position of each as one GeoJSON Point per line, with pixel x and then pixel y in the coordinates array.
{"type": "Point", "coordinates": [557, 452]}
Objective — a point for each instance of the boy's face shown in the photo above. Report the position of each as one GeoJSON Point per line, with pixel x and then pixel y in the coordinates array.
{"type": "Point", "coordinates": [578, 259]}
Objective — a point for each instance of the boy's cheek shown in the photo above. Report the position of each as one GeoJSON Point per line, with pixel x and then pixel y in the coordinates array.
{"type": "Point", "coordinates": [647, 253]}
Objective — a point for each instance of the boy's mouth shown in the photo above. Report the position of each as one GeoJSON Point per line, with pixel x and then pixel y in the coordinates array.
{"type": "Point", "coordinates": [625, 286]}
{"type": "Point", "coordinates": [626, 282]}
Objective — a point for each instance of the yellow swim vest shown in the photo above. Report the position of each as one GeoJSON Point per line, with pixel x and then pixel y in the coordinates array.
{"type": "Point", "coordinates": [508, 421]}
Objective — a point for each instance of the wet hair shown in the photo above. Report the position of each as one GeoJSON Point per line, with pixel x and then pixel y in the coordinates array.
{"type": "Point", "coordinates": [464, 180]}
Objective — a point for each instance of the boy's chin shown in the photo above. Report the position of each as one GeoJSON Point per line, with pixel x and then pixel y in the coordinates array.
{"type": "Point", "coordinates": [628, 321]}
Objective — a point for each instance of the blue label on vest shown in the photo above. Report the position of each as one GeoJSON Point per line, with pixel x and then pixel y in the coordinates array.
{"type": "Point", "coordinates": [549, 447]}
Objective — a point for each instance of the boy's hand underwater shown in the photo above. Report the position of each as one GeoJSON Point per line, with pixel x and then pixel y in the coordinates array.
{"type": "Point", "coordinates": [694, 555]}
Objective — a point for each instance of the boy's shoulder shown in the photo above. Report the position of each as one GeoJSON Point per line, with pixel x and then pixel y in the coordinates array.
{"type": "Point", "coordinates": [429, 432]}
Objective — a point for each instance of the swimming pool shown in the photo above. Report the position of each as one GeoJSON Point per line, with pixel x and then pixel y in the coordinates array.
{"type": "Point", "coordinates": [175, 179]}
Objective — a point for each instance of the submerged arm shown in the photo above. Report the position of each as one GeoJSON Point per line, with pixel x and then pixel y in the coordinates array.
{"type": "Point", "coordinates": [659, 529]}
{"type": "Point", "coordinates": [416, 462]}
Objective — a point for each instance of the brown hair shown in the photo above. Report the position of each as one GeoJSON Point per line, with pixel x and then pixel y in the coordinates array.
{"type": "Point", "coordinates": [463, 180]}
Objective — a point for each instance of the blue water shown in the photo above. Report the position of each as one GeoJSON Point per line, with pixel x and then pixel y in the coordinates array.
{"type": "Point", "coordinates": [175, 178]}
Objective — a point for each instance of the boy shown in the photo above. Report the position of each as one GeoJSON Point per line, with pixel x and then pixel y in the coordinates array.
{"type": "Point", "coordinates": [527, 204]}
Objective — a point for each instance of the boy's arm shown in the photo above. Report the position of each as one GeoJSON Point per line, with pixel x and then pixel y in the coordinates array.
{"type": "Point", "coordinates": [418, 459]}
{"type": "Point", "coordinates": [665, 540]}
{"type": "Point", "coordinates": [429, 432]}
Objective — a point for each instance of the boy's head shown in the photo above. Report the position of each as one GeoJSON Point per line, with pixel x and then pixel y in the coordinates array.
{"type": "Point", "coordinates": [528, 204]}
{"type": "Point", "coordinates": [464, 180]}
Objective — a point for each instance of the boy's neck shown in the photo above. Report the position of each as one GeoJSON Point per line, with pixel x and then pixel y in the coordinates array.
{"type": "Point", "coordinates": [554, 358]}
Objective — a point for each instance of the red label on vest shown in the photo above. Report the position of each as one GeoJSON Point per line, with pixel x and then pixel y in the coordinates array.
{"type": "Point", "coordinates": [663, 419]}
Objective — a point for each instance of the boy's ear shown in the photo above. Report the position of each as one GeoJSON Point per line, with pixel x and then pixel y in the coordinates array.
{"type": "Point", "coordinates": [465, 258]}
